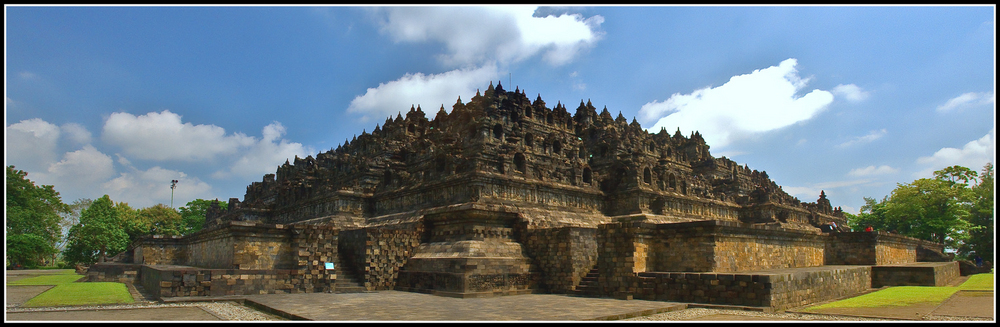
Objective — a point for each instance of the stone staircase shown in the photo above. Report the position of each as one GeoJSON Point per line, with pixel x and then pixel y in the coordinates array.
{"type": "Point", "coordinates": [588, 285]}
{"type": "Point", "coordinates": [347, 281]}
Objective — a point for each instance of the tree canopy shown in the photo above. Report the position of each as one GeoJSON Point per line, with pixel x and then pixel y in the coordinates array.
{"type": "Point", "coordinates": [161, 220]}
{"type": "Point", "coordinates": [193, 215]}
{"type": "Point", "coordinates": [32, 220]}
{"type": "Point", "coordinates": [102, 230]}
{"type": "Point", "coordinates": [954, 208]}
{"type": "Point", "coordinates": [980, 240]}
{"type": "Point", "coordinates": [39, 225]}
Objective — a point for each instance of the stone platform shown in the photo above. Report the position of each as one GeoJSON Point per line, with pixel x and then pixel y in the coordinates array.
{"type": "Point", "coordinates": [915, 274]}
{"type": "Point", "coordinates": [163, 281]}
{"type": "Point", "coordinates": [409, 306]}
{"type": "Point", "coordinates": [775, 289]}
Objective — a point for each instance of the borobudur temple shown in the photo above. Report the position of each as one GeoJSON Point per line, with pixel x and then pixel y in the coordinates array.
{"type": "Point", "coordinates": [504, 196]}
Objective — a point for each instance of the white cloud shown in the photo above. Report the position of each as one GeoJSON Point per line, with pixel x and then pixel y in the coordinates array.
{"type": "Point", "coordinates": [872, 170]}
{"type": "Point", "coordinates": [123, 161]}
{"type": "Point", "coordinates": [76, 133]}
{"type": "Point", "coordinates": [81, 169]}
{"type": "Point", "coordinates": [968, 99]}
{"type": "Point", "coordinates": [31, 144]}
{"type": "Point", "coordinates": [162, 136]}
{"type": "Point", "coordinates": [428, 91]}
{"type": "Point", "coordinates": [477, 39]}
{"type": "Point", "coordinates": [763, 100]}
{"type": "Point", "coordinates": [851, 92]}
{"type": "Point", "coordinates": [144, 188]}
{"type": "Point", "coordinates": [89, 173]}
{"type": "Point", "coordinates": [264, 156]}
{"type": "Point", "coordinates": [27, 75]}
{"type": "Point", "coordinates": [475, 35]}
{"type": "Point", "coordinates": [974, 155]}
{"type": "Point", "coordinates": [870, 137]}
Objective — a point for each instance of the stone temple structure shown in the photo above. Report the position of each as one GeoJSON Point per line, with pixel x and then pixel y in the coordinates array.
{"type": "Point", "coordinates": [505, 196]}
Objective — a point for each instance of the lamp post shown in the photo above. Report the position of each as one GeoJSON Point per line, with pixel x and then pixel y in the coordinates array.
{"type": "Point", "coordinates": [173, 185]}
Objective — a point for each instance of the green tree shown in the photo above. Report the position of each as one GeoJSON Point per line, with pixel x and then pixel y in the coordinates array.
{"type": "Point", "coordinates": [100, 232]}
{"type": "Point", "coordinates": [135, 225]}
{"type": "Point", "coordinates": [931, 209]}
{"type": "Point", "coordinates": [980, 241]}
{"type": "Point", "coordinates": [32, 220]}
{"type": "Point", "coordinates": [28, 250]}
{"type": "Point", "coordinates": [162, 220]}
{"type": "Point", "coordinates": [194, 213]}
{"type": "Point", "coordinates": [71, 218]}
{"type": "Point", "coordinates": [954, 208]}
{"type": "Point", "coordinates": [872, 213]}
{"type": "Point", "coordinates": [935, 209]}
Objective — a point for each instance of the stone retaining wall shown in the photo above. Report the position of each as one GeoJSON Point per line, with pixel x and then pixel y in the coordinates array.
{"type": "Point", "coordinates": [777, 290]}
{"type": "Point", "coordinates": [271, 258]}
{"type": "Point", "coordinates": [870, 248]}
{"type": "Point", "coordinates": [377, 254]}
{"type": "Point", "coordinates": [563, 256]}
{"type": "Point", "coordinates": [916, 274]}
{"type": "Point", "coordinates": [126, 273]}
{"type": "Point", "coordinates": [160, 250]}
{"type": "Point", "coordinates": [163, 282]}
{"type": "Point", "coordinates": [237, 245]}
{"type": "Point", "coordinates": [631, 251]}
{"type": "Point", "coordinates": [724, 246]}
{"type": "Point", "coordinates": [620, 247]}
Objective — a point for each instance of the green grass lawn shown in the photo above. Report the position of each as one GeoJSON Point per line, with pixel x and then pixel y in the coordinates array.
{"type": "Point", "coordinates": [90, 293]}
{"type": "Point", "coordinates": [978, 282]}
{"type": "Point", "coordinates": [894, 296]}
{"type": "Point", "coordinates": [66, 292]}
{"type": "Point", "coordinates": [908, 295]}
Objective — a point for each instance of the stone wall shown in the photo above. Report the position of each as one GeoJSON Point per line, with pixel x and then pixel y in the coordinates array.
{"type": "Point", "coordinates": [236, 245]}
{"type": "Point", "coordinates": [312, 247]}
{"type": "Point", "coordinates": [915, 274]}
{"type": "Point", "coordinates": [774, 289]}
{"type": "Point", "coordinates": [928, 251]}
{"type": "Point", "coordinates": [126, 273]}
{"type": "Point", "coordinates": [470, 253]}
{"type": "Point", "coordinates": [632, 251]}
{"type": "Point", "coordinates": [648, 201]}
{"type": "Point", "coordinates": [341, 203]}
{"type": "Point", "coordinates": [617, 257]}
{"type": "Point", "coordinates": [744, 248]}
{"type": "Point", "coordinates": [265, 259]}
{"type": "Point", "coordinates": [377, 254]}
{"type": "Point", "coordinates": [215, 249]}
{"type": "Point", "coordinates": [724, 246]}
{"type": "Point", "coordinates": [894, 250]}
{"type": "Point", "coordinates": [162, 282]}
{"type": "Point", "coordinates": [870, 248]}
{"type": "Point", "coordinates": [468, 277]}
{"type": "Point", "coordinates": [159, 250]}
{"type": "Point", "coordinates": [563, 256]}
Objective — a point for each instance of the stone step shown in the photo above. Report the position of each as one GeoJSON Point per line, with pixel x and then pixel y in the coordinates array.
{"type": "Point", "coordinates": [347, 277]}
{"type": "Point", "coordinates": [588, 285]}
{"type": "Point", "coordinates": [349, 289]}
{"type": "Point", "coordinates": [347, 283]}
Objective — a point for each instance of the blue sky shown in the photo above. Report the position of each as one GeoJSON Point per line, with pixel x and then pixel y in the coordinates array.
{"type": "Point", "coordinates": [850, 100]}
